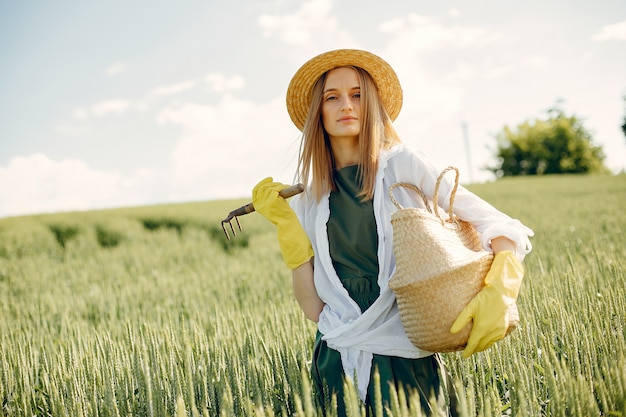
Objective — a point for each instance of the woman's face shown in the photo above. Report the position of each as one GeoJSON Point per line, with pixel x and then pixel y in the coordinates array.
{"type": "Point", "coordinates": [341, 103]}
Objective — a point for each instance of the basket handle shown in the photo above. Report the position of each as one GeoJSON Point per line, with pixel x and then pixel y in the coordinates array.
{"type": "Point", "coordinates": [412, 187]}
{"type": "Point", "coordinates": [452, 194]}
{"type": "Point", "coordinates": [435, 197]}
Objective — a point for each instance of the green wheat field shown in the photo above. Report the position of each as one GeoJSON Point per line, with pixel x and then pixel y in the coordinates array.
{"type": "Point", "coordinates": [150, 311]}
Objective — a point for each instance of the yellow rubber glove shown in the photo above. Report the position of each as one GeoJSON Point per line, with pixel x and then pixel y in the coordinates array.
{"type": "Point", "coordinates": [295, 245]}
{"type": "Point", "coordinates": [488, 309]}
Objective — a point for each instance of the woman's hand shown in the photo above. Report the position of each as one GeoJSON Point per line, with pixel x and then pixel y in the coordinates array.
{"type": "Point", "coordinates": [295, 245]}
{"type": "Point", "coordinates": [501, 243]}
{"type": "Point", "coordinates": [488, 310]}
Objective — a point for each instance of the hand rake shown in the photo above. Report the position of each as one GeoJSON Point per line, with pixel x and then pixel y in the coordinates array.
{"type": "Point", "coordinates": [249, 208]}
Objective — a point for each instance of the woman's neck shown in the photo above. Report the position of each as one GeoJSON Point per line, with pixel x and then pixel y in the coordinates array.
{"type": "Point", "coordinates": [345, 151]}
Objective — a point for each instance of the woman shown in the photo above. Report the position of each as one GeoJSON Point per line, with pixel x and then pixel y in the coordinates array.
{"type": "Point", "coordinates": [337, 236]}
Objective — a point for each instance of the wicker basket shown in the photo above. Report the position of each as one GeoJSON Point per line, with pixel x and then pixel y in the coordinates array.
{"type": "Point", "coordinates": [440, 267]}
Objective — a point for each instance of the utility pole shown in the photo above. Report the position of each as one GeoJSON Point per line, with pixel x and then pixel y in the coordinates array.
{"type": "Point", "coordinates": [468, 153]}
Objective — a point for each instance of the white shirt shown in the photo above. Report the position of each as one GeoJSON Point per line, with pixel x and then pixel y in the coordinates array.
{"type": "Point", "coordinates": [378, 330]}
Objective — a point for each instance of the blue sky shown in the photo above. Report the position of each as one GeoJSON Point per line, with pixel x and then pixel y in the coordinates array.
{"type": "Point", "coordinates": [116, 103]}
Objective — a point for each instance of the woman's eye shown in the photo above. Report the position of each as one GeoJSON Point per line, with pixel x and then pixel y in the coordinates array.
{"type": "Point", "coordinates": [329, 98]}
{"type": "Point", "coordinates": [356, 95]}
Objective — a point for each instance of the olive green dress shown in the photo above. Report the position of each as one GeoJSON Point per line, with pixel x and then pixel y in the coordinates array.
{"type": "Point", "coordinates": [353, 243]}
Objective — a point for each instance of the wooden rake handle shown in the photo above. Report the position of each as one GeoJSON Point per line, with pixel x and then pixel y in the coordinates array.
{"type": "Point", "coordinates": [249, 208]}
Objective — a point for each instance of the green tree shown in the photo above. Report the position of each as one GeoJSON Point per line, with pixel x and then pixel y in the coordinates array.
{"type": "Point", "coordinates": [624, 124]}
{"type": "Point", "coordinates": [558, 145]}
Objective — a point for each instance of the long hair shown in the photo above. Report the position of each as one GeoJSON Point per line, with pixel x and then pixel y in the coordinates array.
{"type": "Point", "coordinates": [316, 162]}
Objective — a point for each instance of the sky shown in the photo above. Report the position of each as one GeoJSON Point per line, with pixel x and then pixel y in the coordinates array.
{"type": "Point", "coordinates": [115, 103]}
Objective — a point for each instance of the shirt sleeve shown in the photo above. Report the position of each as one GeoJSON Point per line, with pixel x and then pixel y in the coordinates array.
{"type": "Point", "coordinates": [488, 221]}
{"type": "Point", "coordinates": [491, 223]}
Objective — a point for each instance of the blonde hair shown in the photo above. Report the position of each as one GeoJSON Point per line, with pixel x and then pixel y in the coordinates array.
{"type": "Point", "coordinates": [316, 162]}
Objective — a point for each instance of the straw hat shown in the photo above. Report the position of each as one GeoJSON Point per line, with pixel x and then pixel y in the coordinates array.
{"type": "Point", "coordinates": [301, 85]}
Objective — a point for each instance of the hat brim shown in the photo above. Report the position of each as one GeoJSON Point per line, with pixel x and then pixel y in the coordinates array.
{"type": "Point", "coordinates": [301, 86]}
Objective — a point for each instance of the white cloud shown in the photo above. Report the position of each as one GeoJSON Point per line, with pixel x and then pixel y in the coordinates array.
{"type": "Point", "coordinates": [312, 28]}
{"type": "Point", "coordinates": [392, 25]}
{"type": "Point", "coordinates": [73, 129]}
{"type": "Point", "coordinates": [436, 90]}
{"type": "Point", "coordinates": [36, 183]}
{"type": "Point", "coordinates": [80, 113]}
{"type": "Point", "coordinates": [220, 83]}
{"type": "Point", "coordinates": [230, 146]}
{"type": "Point", "coordinates": [171, 89]}
{"type": "Point", "coordinates": [535, 61]}
{"type": "Point", "coordinates": [295, 29]}
{"type": "Point", "coordinates": [613, 32]}
{"type": "Point", "coordinates": [461, 71]}
{"type": "Point", "coordinates": [417, 33]}
{"type": "Point", "coordinates": [115, 69]}
{"type": "Point", "coordinates": [498, 71]}
{"type": "Point", "coordinates": [104, 107]}
{"type": "Point", "coordinates": [430, 93]}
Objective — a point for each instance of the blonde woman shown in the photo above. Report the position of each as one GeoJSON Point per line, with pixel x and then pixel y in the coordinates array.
{"type": "Point", "coordinates": [337, 239]}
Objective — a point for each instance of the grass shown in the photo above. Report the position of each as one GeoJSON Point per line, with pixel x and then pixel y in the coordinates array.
{"type": "Point", "coordinates": [149, 311]}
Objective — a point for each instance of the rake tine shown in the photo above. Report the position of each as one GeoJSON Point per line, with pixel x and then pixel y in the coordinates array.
{"type": "Point", "coordinates": [225, 231]}
{"type": "Point", "coordinates": [228, 221]}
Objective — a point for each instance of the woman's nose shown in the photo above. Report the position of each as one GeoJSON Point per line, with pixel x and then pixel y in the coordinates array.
{"type": "Point", "coordinates": [347, 104]}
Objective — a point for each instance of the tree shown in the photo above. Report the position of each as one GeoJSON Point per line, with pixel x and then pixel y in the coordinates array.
{"type": "Point", "coordinates": [624, 124]}
{"type": "Point", "coordinates": [558, 145]}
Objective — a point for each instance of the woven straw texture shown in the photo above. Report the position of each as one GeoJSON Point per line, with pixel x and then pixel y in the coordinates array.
{"type": "Point", "coordinates": [440, 267]}
{"type": "Point", "coordinates": [301, 85]}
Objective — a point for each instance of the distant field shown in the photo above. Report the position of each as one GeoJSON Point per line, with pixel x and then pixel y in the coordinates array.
{"type": "Point", "coordinates": [149, 311]}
